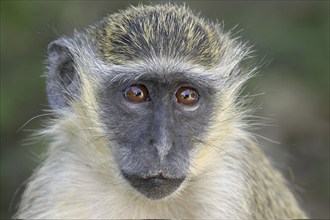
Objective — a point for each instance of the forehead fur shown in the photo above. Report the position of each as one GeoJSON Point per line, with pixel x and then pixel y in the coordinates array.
{"type": "Point", "coordinates": [165, 31]}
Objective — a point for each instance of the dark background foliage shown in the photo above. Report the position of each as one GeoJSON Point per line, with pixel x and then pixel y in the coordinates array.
{"type": "Point", "coordinates": [291, 37]}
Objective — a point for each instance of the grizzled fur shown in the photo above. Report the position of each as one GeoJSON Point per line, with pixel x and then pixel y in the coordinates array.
{"type": "Point", "coordinates": [158, 31]}
{"type": "Point", "coordinates": [102, 146]}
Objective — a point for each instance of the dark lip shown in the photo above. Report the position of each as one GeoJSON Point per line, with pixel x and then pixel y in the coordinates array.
{"type": "Point", "coordinates": [154, 186]}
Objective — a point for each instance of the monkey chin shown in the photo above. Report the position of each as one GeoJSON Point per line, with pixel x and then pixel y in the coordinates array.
{"type": "Point", "coordinates": [155, 187]}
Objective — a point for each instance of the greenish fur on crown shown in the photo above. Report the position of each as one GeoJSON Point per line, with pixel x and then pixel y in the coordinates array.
{"type": "Point", "coordinates": [158, 31]}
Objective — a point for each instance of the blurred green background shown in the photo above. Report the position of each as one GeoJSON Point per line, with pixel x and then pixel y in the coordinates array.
{"type": "Point", "coordinates": [291, 37]}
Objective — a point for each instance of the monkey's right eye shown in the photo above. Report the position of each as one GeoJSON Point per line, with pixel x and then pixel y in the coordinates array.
{"type": "Point", "coordinates": [137, 93]}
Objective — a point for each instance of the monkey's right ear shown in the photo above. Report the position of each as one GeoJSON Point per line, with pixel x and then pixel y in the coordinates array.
{"type": "Point", "coordinates": [62, 79]}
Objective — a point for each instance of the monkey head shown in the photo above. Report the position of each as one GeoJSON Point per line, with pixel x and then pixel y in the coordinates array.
{"type": "Point", "coordinates": [148, 81]}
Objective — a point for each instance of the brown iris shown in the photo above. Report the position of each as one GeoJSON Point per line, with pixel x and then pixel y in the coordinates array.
{"type": "Point", "coordinates": [137, 93]}
{"type": "Point", "coordinates": [187, 95]}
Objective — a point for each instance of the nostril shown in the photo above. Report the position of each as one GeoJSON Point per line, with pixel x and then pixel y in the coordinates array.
{"type": "Point", "coordinates": [152, 142]}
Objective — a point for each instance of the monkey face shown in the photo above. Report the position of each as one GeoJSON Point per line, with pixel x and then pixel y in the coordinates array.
{"type": "Point", "coordinates": [151, 85]}
{"type": "Point", "coordinates": [151, 78]}
{"type": "Point", "coordinates": [154, 124]}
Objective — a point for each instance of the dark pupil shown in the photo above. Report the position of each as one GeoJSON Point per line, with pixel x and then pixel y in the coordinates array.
{"type": "Point", "coordinates": [185, 95]}
{"type": "Point", "coordinates": [188, 94]}
{"type": "Point", "coordinates": [137, 91]}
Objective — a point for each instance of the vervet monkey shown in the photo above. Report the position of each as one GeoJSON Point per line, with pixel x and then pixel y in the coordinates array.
{"type": "Point", "coordinates": [149, 124]}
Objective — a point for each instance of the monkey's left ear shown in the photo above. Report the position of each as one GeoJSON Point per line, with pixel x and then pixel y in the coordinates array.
{"type": "Point", "coordinates": [62, 79]}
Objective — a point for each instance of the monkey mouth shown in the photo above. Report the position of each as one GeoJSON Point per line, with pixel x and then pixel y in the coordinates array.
{"type": "Point", "coordinates": [154, 187]}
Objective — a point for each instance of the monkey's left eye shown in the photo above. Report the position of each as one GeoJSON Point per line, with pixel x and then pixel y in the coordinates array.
{"type": "Point", "coordinates": [187, 95]}
{"type": "Point", "coordinates": [137, 93]}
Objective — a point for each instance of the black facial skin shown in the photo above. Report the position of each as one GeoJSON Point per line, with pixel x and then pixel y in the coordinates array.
{"type": "Point", "coordinates": [154, 139]}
